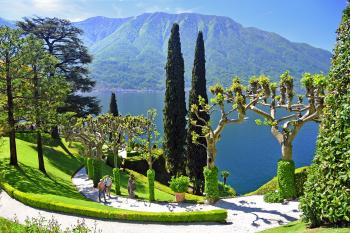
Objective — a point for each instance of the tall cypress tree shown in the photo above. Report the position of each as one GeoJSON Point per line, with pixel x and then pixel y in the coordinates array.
{"type": "Point", "coordinates": [174, 111]}
{"type": "Point", "coordinates": [113, 106]}
{"type": "Point", "coordinates": [197, 154]}
{"type": "Point", "coordinates": [327, 196]}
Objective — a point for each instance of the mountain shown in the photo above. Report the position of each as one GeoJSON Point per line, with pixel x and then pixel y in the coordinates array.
{"type": "Point", "coordinates": [130, 53]}
{"type": "Point", "coordinates": [8, 23]}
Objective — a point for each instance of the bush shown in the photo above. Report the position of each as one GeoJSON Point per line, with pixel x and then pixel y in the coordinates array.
{"type": "Point", "coordinates": [90, 168]}
{"type": "Point", "coordinates": [300, 179]}
{"type": "Point", "coordinates": [116, 176]}
{"type": "Point", "coordinates": [151, 175]}
{"type": "Point", "coordinates": [273, 197]}
{"type": "Point", "coordinates": [211, 187]}
{"type": "Point", "coordinates": [286, 180]}
{"type": "Point", "coordinates": [37, 201]}
{"type": "Point", "coordinates": [179, 184]}
{"type": "Point", "coordinates": [97, 171]}
{"type": "Point", "coordinates": [226, 190]}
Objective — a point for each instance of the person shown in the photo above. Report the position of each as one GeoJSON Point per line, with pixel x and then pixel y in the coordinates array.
{"type": "Point", "coordinates": [108, 185]}
{"type": "Point", "coordinates": [101, 190]}
{"type": "Point", "coordinates": [131, 186]}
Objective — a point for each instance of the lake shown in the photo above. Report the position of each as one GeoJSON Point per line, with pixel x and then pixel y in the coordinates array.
{"type": "Point", "coordinates": [248, 151]}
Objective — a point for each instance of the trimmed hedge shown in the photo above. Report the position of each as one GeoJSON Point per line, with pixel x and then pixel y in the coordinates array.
{"type": "Point", "coordinates": [90, 168]}
{"type": "Point", "coordinates": [37, 201]}
{"type": "Point", "coordinates": [211, 187]}
{"type": "Point", "coordinates": [97, 171]}
{"type": "Point", "coordinates": [116, 176]}
{"type": "Point", "coordinates": [273, 197]}
{"type": "Point", "coordinates": [286, 180]}
{"type": "Point", "coordinates": [151, 176]}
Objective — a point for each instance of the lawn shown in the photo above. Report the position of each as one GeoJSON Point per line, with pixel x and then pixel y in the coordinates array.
{"type": "Point", "coordinates": [61, 164]}
{"type": "Point", "coordinates": [300, 227]}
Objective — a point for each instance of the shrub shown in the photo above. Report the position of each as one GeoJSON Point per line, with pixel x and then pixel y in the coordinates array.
{"type": "Point", "coordinates": [37, 201]}
{"type": "Point", "coordinates": [151, 175]}
{"type": "Point", "coordinates": [179, 184]}
{"type": "Point", "coordinates": [110, 160]}
{"type": "Point", "coordinates": [116, 176]}
{"type": "Point", "coordinates": [300, 179]}
{"type": "Point", "coordinates": [211, 187]}
{"type": "Point", "coordinates": [226, 190]}
{"type": "Point", "coordinates": [273, 197]}
{"type": "Point", "coordinates": [97, 171]}
{"type": "Point", "coordinates": [90, 168]}
{"type": "Point", "coordinates": [285, 176]}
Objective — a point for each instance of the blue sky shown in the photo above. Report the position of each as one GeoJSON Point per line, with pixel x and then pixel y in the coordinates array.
{"type": "Point", "coordinates": [310, 21]}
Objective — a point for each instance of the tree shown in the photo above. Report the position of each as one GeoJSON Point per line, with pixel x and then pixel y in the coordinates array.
{"type": "Point", "coordinates": [44, 94]}
{"type": "Point", "coordinates": [174, 111]}
{"type": "Point", "coordinates": [285, 128]}
{"type": "Point", "coordinates": [196, 154]}
{"type": "Point", "coordinates": [225, 175]}
{"type": "Point", "coordinates": [326, 195]}
{"type": "Point", "coordinates": [113, 107]}
{"type": "Point", "coordinates": [235, 98]}
{"type": "Point", "coordinates": [13, 72]}
{"type": "Point", "coordinates": [61, 40]}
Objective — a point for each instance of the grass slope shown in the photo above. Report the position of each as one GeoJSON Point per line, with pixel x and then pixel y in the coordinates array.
{"type": "Point", "coordinates": [300, 227]}
{"type": "Point", "coordinates": [56, 187]}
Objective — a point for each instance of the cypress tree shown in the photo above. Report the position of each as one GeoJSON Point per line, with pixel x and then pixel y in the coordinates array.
{"type": "Point", "coordinates": [197, 154]}
{"type": "Point", "coordinates": [113, 107]}
{"type": "Point", "coordinates": [326, 197]}
{"type": "Point", "coordinates": [174, 111]}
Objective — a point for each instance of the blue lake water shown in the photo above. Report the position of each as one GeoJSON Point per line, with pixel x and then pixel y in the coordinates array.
{"type": "Point", "coordinates": [248, 151]}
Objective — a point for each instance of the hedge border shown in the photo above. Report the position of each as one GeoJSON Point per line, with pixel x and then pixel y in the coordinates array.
{"type": "Point", "coordinates": [115, 214]}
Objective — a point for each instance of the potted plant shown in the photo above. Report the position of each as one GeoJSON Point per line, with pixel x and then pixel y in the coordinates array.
{"type": "Point", "coordinates": [179, 185]}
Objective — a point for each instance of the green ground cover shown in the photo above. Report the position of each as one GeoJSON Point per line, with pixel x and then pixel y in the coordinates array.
{"type": "Point", "coordinates": [30, 186]}
{"type": "Point", "coordinates": [300, 227]}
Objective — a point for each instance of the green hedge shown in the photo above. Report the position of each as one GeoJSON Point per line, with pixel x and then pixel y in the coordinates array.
{"type": "Point", "coordinates": [90, 168]}
{"type": "Point", "coordinates": [37, 201]}
{"type": "Point", "coordinates": [97, 171]}
{"type": "Point", "coordinates": [226, 190]}
{"type": "Point", "coordinates": [151, 176]}
{"type": "Point", "coordinates": [273, 197]}
{"type": "Point", "coordinates": [286, 180]}
{"type": "Point", "coordinates": [211, 187]}
{"type": "Point", "coordinates": [116, 176]}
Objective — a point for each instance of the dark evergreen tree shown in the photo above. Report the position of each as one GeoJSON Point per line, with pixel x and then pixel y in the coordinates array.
{"type": "Point", "coordinates": [113, 107]}
{"type": "Point", "coordinates": [326, 197]}
{"type": "Point", "coordinates": [62, 40]}
{"type": "Point", "coordinates": [174, 111]}
{"type": "Point", "coordinates": [196, 153]}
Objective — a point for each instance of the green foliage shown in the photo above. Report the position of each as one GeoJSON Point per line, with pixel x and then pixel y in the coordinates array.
{"type": "Point", "coordinates": [326, 197]}
{"type": "Point", "coordinates": [90, 168]}
{"type": "Point", "coordinates": [272, 185]}
{"type": "Point", "coordinates": [286, 180]}
{"type": "Point", "coordinates": [174, 112]}
{"type": "Point", "coordinates": [116, 179]}
{"type": "Point", "coordinates": [273, 197]}
{"type": "Point", "coordinates": [97, 171]}
{"type": "Point", "coordinates": [196, 154]}
{"type": "Point", "coordinates": [151, 176]}
{"type": "Point", "coordinates": [226, 190]}
{"type": "Point", "coordinates": [211, 187]}
{"type": "Point", "coordinates": [179, 184]}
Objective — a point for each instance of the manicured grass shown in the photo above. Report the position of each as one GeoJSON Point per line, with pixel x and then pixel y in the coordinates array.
{"type": "Point", "coordinates": [7, 226]}
{"type": "Point", "coordinates": [56, 192]}
{"type": "Point", "coordinates": [271, 185]}
{"type": "Point", "coordinates": [300, 227]}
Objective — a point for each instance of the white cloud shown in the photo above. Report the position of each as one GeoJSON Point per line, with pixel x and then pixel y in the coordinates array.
{"type": "Point", "coordinates": [48, 5]}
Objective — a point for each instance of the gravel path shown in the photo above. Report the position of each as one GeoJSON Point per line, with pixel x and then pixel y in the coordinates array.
{"type": "Point", "coordinates": [245, 214]}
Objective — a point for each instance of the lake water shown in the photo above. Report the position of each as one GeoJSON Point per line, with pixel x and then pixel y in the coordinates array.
{"type": "Point", "coordinates": [248, 151]}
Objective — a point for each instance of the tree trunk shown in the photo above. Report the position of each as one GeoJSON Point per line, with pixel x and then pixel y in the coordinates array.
{"type": "Point", "coordinates": [10, 116]}
{"type": "Point", "coordinates": [211, 153]}
{"type": "Point", "coordinates": [54, 132]}
{"type": "Point", "coordinates": [287, 150]}
{"type": "Point", "coordinates": [40, 153]}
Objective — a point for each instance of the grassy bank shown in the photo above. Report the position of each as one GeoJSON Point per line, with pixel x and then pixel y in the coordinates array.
{"type": "Point", "coordinates": [300, 227]}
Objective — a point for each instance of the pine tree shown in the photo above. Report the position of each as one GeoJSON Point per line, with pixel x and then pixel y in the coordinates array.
{"type": "Point", "coordinates": [197, 154]}
{"type": "Point", "coordinates": [113, 106]}
{"type": "Point", "coordinates": [327, 197]}
{"type": "Point", "coordinates": [174, 111]}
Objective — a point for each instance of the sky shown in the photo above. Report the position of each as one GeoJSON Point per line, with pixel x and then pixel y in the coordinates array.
{"type": "Point", "coordinates": [309, 21]}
